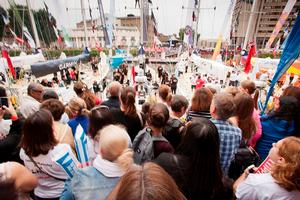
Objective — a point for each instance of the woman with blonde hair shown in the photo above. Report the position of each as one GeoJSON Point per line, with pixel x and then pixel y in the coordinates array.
{"type": "Point", "coordinates": [282, 182]}
{"type": "Point", "coordinates": [78, 114]}
{"type": "Point", "coordinates": [113, 161]}
{"type": "Point", "coordinates": [147, 182]}
{"type": "Point", "coordinates": [200, 104]}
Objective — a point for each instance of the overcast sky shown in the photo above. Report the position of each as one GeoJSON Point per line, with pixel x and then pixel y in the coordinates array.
{"type": "Point", "coordinates": [170, 15]}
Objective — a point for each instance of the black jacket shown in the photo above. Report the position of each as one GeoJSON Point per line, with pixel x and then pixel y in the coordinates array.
{"type": "Point", "coordinates": [112, 102]}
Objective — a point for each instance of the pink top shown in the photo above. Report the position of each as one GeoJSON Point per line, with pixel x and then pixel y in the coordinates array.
{"type": "Point", "coordinates": [258, 133]}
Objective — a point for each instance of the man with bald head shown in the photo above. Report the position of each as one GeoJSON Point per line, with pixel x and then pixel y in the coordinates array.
{"type": "Point", "coordinates": [113, 90]}
{"type": "Point", "coordinates": [31, 102]}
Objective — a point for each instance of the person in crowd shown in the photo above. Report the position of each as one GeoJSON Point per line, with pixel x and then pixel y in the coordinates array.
{"type": "Point", "coordinates": [62, 132]}
{"type": "Point", "coordinates": [31, 102]}
{"type": "Point", "coordinates": [160, 71]}
{"type": "Point", "coordinates": [199, 82]}
{"type": "Point", "coordinates": [221, 109]}
{"type": "Point", "coordinates": [78, 114]}
{"type": "Point", "coordinates": [96, 88]}
{"type": "Point", "coordinates": [175, 124]}
{"type": "Point", "coordinates": [21, 179]}
{"type": "Point", "coordinates": [174, 82]}
{"type": "Point", "coordinates": [147, 182]}
{"type": "Point", "coordinates": [91, 100]}
{"type": "Point", "coordinates": [10, 139]}
{"type": "Point", "coordinates": [49, 94]}
{"type": "Point", "coordinates": [197, 172]}
{"type": "Point", "coordinates": [145, 110]}
{"type": "Point", "coordinates": [249, 87]}
{"type": "Point", "coordinates": [233, 79]}
{"type": "Point", "coordinates": [232, 90]}
{"type": "Point", "coordinates": [193, 79]}
{"type": "Point", "coordinates": [282, 182]}
{"type": "Point", "coordinates": [200, 104]}
{"type": "Point", "coordinates": [278, 124]}
{"type": "Point", "coordinates": [127, 115]}
{"type": "Point", "coordinates": [99, 117]}
{"type": "Point", "coordinates": [113, 90]}
{"type": "Point", "coordinates": [149, 76]}
{"type": "Point", "coordinates": [158, 118]}
{"type": "Point", "coordinates": [164, 95]}
{"type": "Point", "coordinates": [114, 159]}
{"type": "Point", "coordinates": [243, 116]}
{"type": "Point", "coordinates": [39, 152]}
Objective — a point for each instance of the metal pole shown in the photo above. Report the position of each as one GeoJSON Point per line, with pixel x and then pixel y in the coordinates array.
{"type": "Point", "coordinates": [35, 33]}
{"type": "Point", "coordinates": [197, 22]}
{"type": "Point", "coordinates": [250, 23]}
{"type": "Point", "coordinates": [84, 22]}
{"type": "Point", "coordinates": [142, 22]}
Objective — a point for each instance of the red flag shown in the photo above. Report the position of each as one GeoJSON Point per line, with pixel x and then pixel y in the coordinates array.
{"type": "Point", "coordinates": [11, 67]}
{"type": "Point", "coordinates": [133, 74]}
{"type": "Point", "coordinates": [251, 53]}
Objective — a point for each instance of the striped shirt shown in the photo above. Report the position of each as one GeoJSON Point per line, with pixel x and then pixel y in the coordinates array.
{"type": "Point", "coordinates": [230, 139]}
{"type": "Point", "coordinates": [192, 115]}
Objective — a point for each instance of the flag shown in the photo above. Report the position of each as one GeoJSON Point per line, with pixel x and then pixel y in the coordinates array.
{"type": "Point", "coordinates": [29, 37]}
{"type": "Point", "coordinates": [5, 19]}
{"type": "Point", "coordinates": [194, 16]}
{"type": "Point", "coordinates": [252, 51]}
{"type": "Point", "coordinates": [9, 63]}
{"type": "Point", "coordinates": [141, 50]}
{"type": "Point", "coordinates": [290, 53]}
{"type": "Point", "coordinates": [98, 47]}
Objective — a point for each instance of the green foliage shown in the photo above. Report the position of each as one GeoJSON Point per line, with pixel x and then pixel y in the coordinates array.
{"type": "Point", "coordinates": [181, 34]}
{"type": "Point", "coordinates": [134, 52]}
{"type": "Point", "coordinates": [20, 14]}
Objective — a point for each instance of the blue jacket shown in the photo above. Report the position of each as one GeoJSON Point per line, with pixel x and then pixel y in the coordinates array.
{"type": "Point", "coordinates": [273, 130]}
{"type": "Point", "coordinates": [88, 183]}
{"type": "Point", "coordinates": [82, 120]}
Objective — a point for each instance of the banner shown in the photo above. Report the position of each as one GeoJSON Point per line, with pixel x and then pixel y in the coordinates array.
{"type": "Point", "coordinates": [9, 63]}
{"type": "Point", "coordinates": [251, 53]}
{"type": "Point", "coordinates": [49, 67]}
{"type": "Point", "coordinates": [188, 35]}
{"type": "Point", "coordinates": [289, 55]}
{"type": "Point", "coordinates": [284, 15]}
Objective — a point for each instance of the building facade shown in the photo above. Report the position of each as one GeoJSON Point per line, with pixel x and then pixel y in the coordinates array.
{"type": "Point", "coordinates": [265, 17]}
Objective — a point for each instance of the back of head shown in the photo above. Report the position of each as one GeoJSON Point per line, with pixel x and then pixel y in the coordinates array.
{"type": "Point", "coordinates": [114, 142]}
{"type": "Point", "coordinates": [287, 173]}
{"type": "Point", "coordinates": [201, 99]}
{"type": "Point", "coordinates": [292, 91]}
{"type": "Point", "coordinates": [76, 107]}
{"type": "Point", "coordinates": [249, 86]}
{"type": "Point", "coordinates": [79, 88]}
{"type": "Point", "coordinates": [114, 88]}
{"type": "Point", "coordinates": [165, 93]}
{"type": "Point", "coordinates": [55, 106]}
{"type": "Point", "coordinates": [147, 182]}
{"type": "Point", "coordinates": [38, 137]}
{"type": "Point", "coordinates": [99, 117]}
{"type": "Point", "coordinates": [224, 105]}
{"type": "Point", "coordinates": [232, 90]}
{"type": "Point", "coordinates": [49, 94]}
{"type": "Point", "coordinates": [158, 115]}
{"type": "Point", "coordinates": [244, 110]}
{"type": "Point", "coordinates": [288, 108]}
{"type": "Point", "coordinates": [127, 98]}
{"type": "Point", "coordinates": [178, 102]}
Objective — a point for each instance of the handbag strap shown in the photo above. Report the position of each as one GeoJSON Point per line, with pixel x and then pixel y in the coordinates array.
{"type": "Point", "coordinates": [35, 164]}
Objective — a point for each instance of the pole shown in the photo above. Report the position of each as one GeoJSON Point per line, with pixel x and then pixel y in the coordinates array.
{"type": "Point", "coordinates": [250, 23]}
{"type": "Point", "coordinates": [35, 33]}
{"type": "Point", "coordinates": [142, 22]}
{"type": "Point", "coordinates": [84, 22]}
{"type": "Point", "coordinates": [197, 22]}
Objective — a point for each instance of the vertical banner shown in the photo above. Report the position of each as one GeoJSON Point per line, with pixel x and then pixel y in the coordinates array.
{"type": "Point", "coordinates": [226, 19]}
{"type": "Point", "coordinates": [81, 146]}
{"type": "Point", "coordinates": [284, 15]}
{"type": "Point", "coordinates": [9, 63]}
{"type": "Point", "coordinates": [252, 51]}
{"type": "Point", "coordinates": [290, 53]}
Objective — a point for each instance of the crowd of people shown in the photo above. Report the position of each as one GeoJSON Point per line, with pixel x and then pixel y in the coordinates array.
{"type": "Point", "coordinates": [171, 149]}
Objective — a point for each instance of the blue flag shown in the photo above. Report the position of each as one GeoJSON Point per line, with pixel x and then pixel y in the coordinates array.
{"type": "Point", "coordinates": [290, 53]}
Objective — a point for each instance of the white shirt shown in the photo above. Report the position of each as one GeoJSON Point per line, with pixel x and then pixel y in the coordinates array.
{"type": "Point", "coordinates": [29, 106]}
{"type": "Point", "coordinates": [264, 187]}
{"type": "Point", "coordinates": [48, 187]}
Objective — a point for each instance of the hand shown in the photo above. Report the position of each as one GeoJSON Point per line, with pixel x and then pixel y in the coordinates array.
{"type": "Point", "coordinates": [10, 109]}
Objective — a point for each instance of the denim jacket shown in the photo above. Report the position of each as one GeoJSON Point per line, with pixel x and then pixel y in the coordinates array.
{"type": "Point", "coordinates": [88, 183]}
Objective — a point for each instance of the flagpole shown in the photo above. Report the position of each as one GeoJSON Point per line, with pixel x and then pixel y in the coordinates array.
{"type": "Point", "coordinates": [35, 33]}
{"type": "Point", "coordinates": [197, 22]}
{"type": "Point", "coordinates": [84, 22]}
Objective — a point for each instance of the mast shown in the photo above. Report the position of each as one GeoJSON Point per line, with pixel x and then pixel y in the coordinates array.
{"type": "Point", "coordinates": [142, 22]}
{"type": "Point", "coordinates": [250, 26]}
{"type": "Point", "coordinates": [35, 33]}
{"type": "Point", "coordinates": [111, 21]}
{"type": "Point", "coordinates": [84, 22]}
{"type": "Point", "coordinates": [197, 23]}
{"type": "Point", "coordinates": [103, 23]}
